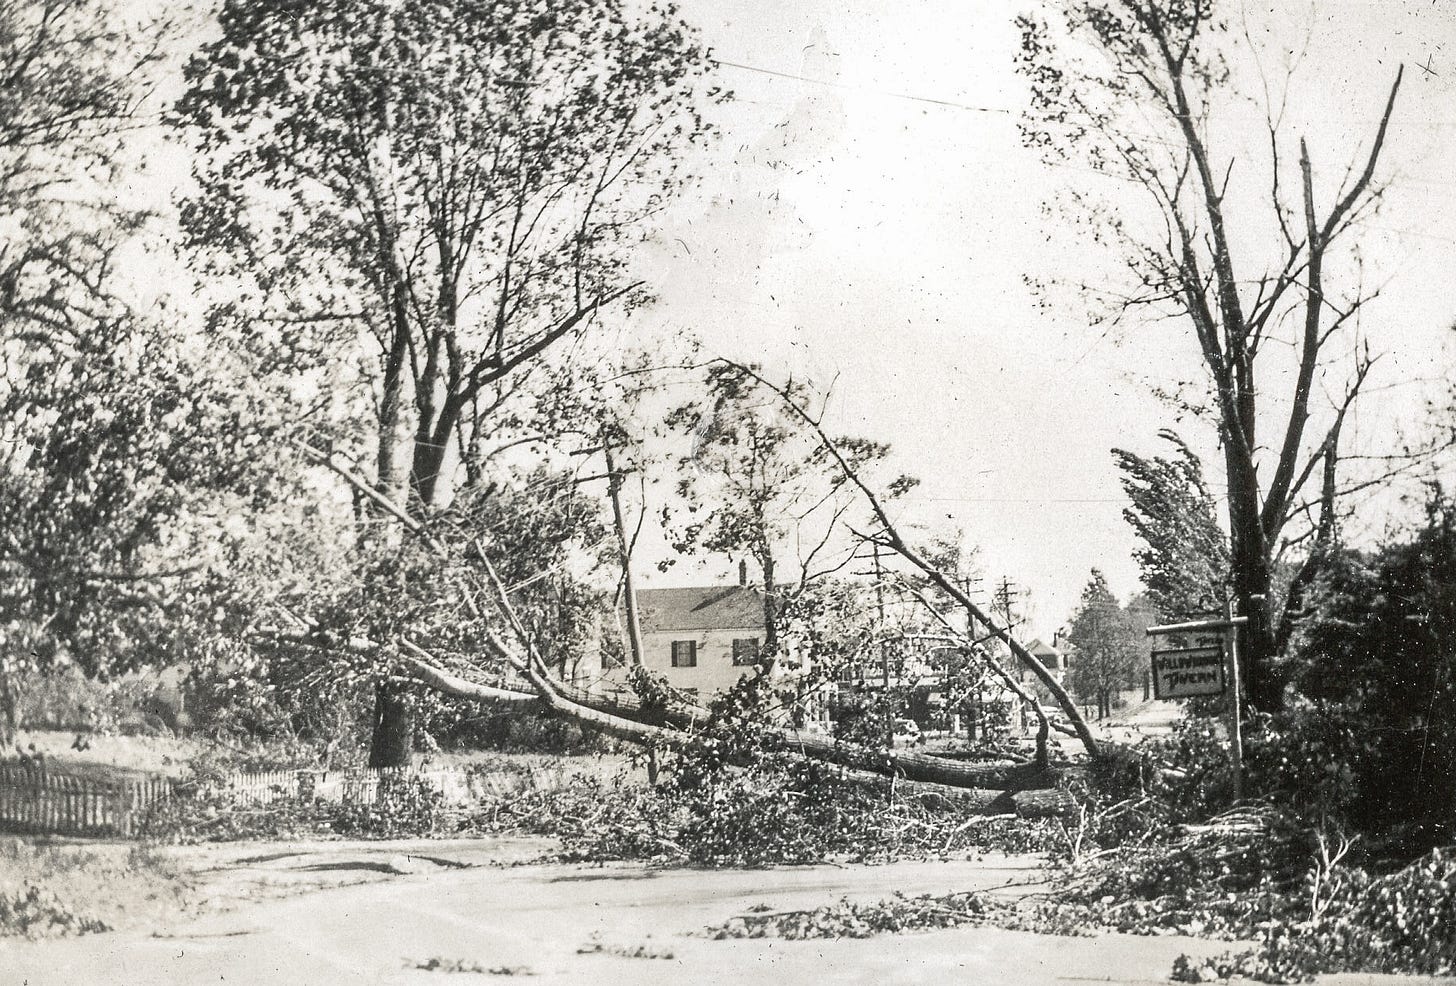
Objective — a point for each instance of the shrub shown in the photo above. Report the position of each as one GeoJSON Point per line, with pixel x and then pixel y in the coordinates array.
{"type": "Point", "coordinates": [67, 700]}
{"type": "Point", "coordinates": [1375, 664]}
{"type": "Point", "coordinates": [406, 806]}
{"type": "Point", "coordinates": [71, 889]}
{"type": "Point", "coordinates": [33, 912]}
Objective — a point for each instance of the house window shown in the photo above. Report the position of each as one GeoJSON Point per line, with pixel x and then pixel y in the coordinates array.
{"type": "Point", "coordinates": [684, 653]}
{"type": "Point", "coordinates": [745, 651]}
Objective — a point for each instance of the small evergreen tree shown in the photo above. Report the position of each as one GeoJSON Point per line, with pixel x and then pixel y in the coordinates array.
{"type": "Point", "coordinates": [1108, 648]}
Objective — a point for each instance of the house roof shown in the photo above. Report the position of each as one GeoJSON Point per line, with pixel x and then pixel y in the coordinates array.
{"type": "Point", "coordinates": [705, 607]}
{"type": "Point", "coordinates": [1038, 647]}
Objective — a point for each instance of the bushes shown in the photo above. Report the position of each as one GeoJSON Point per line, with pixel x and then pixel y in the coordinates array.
{"type": "Point", "coordinates": [34, 912]}
{"type": "Point", "coordinates": [403, 806]}
{"type": "Point", "coordinates": [1255, 873]}
{"type": "Point", "coordinates": [1401, 923]}
{"type": "Point", "coordinates": [69, 701]}
{"type": "Point", "coordinates": [220, 818]}
{"type": "Point", "coordinates": [1375, 669]}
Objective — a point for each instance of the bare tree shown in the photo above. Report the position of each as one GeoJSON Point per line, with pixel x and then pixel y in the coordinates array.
{"type": "Point", "coordinates": [1109, 71]}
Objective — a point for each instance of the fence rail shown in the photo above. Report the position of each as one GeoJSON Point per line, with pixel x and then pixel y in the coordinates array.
{"type": "Point", "coordinates": [37, 799]}
{"type": "Point", "coordinates": [356, 785]}
{"type": "Point", "coordinates": [46, 799]}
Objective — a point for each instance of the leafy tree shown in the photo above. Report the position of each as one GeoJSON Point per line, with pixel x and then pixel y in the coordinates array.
{"type": "Point", "coordinates": [1376, 676]}
{"type": "Point", "coordinates": [1184, 558]}
{"type": "Point", "coordinates": [756, 484]}
{"type": "Point", "coordinates": [1128, 88]}
{"type": "Point", "coordinates": [116, 429]}
{"type": "Point", "coordinates": [451, 185]}
{"type": "Point", "coordinates": [458, 178]}
{"type": "Point", "coordinates": [1108, 648]}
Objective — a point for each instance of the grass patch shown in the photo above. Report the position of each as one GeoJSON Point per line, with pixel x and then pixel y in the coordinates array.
{"type": "Point", "coordinates": [51, 890]}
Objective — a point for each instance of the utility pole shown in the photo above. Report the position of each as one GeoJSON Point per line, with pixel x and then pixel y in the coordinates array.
{"type": "Point", "coordinates": [1236, 726]}
{"type": "Point", "coordinates": [1003, 599]}
{"type": "Point", "coordinates": [884, 647]}
{"type": "Point", "coordinates": [968, 585]}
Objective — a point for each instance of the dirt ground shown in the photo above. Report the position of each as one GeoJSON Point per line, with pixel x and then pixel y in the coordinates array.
{"type": "Point", "coordinates": [420, 912]}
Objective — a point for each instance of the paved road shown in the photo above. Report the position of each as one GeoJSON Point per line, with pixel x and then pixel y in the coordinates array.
{"type": "Point", "coordinates": [566, 924]}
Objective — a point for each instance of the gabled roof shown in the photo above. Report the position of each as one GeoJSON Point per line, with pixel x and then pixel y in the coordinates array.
{"type": "Point", "coordinates": [708, 607]}
{"type": "Point", "coordinates": [1038, 647]}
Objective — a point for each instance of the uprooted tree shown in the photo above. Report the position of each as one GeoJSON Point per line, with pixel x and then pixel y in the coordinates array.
{"type": "Point", "coordinates": [440, 193]}
{"type": "Point", "coordinates": [1101, 78]}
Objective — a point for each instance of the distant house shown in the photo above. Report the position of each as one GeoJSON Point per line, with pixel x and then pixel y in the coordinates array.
{"type": "Point", "coordinates": [701, 639]}
{"type": "Point", "coordinates": [1055, 660]}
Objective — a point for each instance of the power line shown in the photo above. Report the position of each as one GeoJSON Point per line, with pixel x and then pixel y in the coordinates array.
{"type": "Point", "coordinates": [883, 92]}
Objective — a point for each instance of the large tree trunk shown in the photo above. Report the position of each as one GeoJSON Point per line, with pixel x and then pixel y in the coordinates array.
{"type": "Point", "coordinates": [677, 729]}
{"type": "Point", "coordinates": [770, 606]}
{"type": "Point", "coordinates": [391, 403]}
{"type": "Point", "coordinates": [392, 744]}
{"type": "Point", "coordinates": [1249, 561]}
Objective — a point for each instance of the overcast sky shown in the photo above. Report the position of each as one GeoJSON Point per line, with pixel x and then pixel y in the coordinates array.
{"type": "Point", "coordinates": [869, 214]}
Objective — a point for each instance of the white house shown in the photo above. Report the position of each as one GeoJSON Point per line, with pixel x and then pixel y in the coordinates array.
{"type": "Point", "coordinates": [700, 639]}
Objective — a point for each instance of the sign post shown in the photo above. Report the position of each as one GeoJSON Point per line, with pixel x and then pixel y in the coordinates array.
{"type": "Point", "coordinates": [1204, 667]}
{"type": "Point", "coordinates": [1236, 725]}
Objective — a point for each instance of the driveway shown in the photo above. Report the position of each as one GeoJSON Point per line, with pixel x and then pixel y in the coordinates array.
{"type": "Point", "coordinates": [630, 924]}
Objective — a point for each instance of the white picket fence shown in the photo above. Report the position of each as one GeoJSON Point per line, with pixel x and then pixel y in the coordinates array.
{"type": "Point", "coordinates": [46, 799]}
{"type": "Point", "coordinates": [358, 785]}
{"type": "Point", "coordinates": [37, 798]}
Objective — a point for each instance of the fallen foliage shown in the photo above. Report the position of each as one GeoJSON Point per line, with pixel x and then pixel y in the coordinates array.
{"type": "Point", "coordinates": [758, 817]}
{"type": "Point", "coordinates": [848, 919]}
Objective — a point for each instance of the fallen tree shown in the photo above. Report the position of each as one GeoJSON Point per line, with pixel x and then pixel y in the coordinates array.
{"type": "Point", "coordinates": [888, 536]}
{"type": "Point", "coordinates": [680, 726]}
{"type": "Point", "coordinates": [683, 725]}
